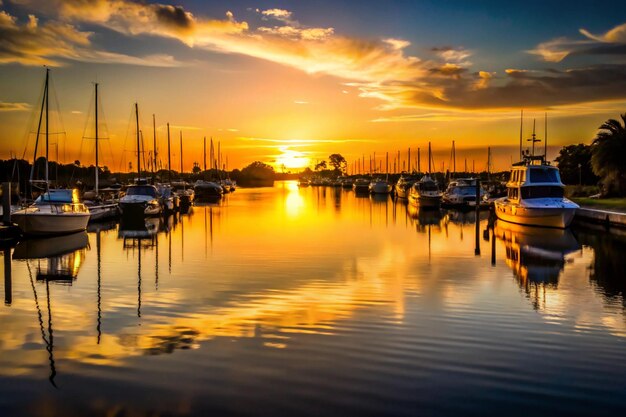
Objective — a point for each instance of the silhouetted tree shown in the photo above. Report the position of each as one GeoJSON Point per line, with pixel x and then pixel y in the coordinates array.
{"type": "Point", "coordinates": [575, 165]}
{"type": "Point", "coordinates": [320, 165]}
{"type": "Point", "coordinates": [608, 156]}
{"type": "Point", "coordinates": [338, 162]}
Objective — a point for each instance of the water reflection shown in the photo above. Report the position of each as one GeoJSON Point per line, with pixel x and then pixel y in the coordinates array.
{"type": "Point", "coordinates": [536, 255]}
{"type": "Point", "coordinates": [317, 291]}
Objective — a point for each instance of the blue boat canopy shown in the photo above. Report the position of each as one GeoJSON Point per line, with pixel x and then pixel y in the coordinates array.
{"type": "Point", "coordinates": [65, 196]}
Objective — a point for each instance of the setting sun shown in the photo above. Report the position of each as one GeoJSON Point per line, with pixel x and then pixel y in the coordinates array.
{"type": "Point", "coordinates": [290, 159]}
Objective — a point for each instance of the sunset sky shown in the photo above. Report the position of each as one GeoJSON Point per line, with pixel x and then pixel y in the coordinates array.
{"type": "Point", "coordinates": [290, 82]}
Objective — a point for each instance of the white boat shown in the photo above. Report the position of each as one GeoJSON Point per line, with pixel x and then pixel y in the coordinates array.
{"type": "Point", "coordinates": [461, 192]}
{"type": "Point", "coordinates": [54, 212]}
{"type": "Point", "coordinates": [535, 196]}
{"type": "Point", "coordinates": [404, 184]}
{"type": "Point", "coordinates": [379, 186]}
{"type": "Point", "coordinates": [425, 193]}
{"type": "Point", "coordinates": [140, 200]}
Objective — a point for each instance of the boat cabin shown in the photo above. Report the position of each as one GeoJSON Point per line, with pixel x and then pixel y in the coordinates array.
{"type": "Point", "coordinates": [535, 181]}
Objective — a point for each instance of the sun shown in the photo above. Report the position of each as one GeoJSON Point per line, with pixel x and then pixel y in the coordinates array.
{"type": "Point", "coordinates": [290, 159]}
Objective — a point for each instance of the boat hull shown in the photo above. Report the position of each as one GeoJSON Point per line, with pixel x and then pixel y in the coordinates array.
{"type": "Point", "coordinates": [34, 223]}
{"type": "Point", "coordinates": [425, 201]}
{"type": "Point", "coordinates": [558, 217]}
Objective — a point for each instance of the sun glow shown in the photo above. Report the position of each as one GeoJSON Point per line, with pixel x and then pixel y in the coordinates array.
{"type": "Point", "coordinates": [290, 159]}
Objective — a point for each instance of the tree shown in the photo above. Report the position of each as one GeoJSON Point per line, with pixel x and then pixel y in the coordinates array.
{"type": "Point", "coordinates": [575, 165]}
{"type": "Point", "coordinates": [320, 165]}
{"type": "Point", "coordinates": [257, 174]}
{"type": "Point", "coordinates": [608, 156]}
{"type": "Point", "coordinates": [338, 162]}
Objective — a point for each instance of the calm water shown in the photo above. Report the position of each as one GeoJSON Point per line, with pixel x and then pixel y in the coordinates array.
{"type": "Point", "coordinates": [314, 301]}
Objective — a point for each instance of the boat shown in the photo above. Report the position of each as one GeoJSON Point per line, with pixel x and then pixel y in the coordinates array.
{"type": "Point", "coordinates": [55, 211]}
{"type": "Point", "coordinates": [404, 184]}
{"type": "Point", "coordinates": [535, 193]}
{"type": "Point", "coordinates": [379, 186]}
{"type": "Point", "coordinates": [535, 196]}
{"type": "Point", "coordinates": [461, 193]}
{"type": "Point", "coordinates": [185, 194]}
{"type": "Point", "coordinates": [168, 199]}
{"type": "Point", "coordinates": [303, 182]}
{"type": "Point", "coordinates": [140, 200]}
{"type": "Point", "coordinates": [207, 189]}
{"type": "Point", "coordinates": [361, 186]}
{"type": "Point", "coordinates": [229, 184]}
{"type": "Point", "coordinates": [347, 183]}
{"type": "Point", "coordinates": [425, 193]}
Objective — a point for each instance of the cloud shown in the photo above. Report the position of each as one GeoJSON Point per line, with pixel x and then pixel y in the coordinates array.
{"type": "Point", "coordinates": [377, 68]}
{"type": "Point", "coordinates": [4, 106]}
{"type": "Point", "coordinates": [612, 42]}
{"type": "Point", "coordinates": [34, 44]}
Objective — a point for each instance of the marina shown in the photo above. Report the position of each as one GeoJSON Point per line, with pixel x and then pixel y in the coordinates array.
{"type": "Point", "coordinates": [400, 306]}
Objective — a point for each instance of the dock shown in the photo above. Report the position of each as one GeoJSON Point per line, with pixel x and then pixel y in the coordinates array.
{"type": "Point", "coordinates": [604, 217]}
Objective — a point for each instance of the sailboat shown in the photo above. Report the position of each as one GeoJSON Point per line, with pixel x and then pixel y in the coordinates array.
{"type": "Point", "coordinates": [55, 211]}
{"type": "Point", "coordinates": [99, 207]}
{"type": "Point", "coordinates": [425, 192]}
{"type": "Point", "coordinates": [141, 199]}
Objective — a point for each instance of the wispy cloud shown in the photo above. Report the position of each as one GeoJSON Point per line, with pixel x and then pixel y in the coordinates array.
{"type": "Point", "coordinates": [32, 43]}
{"type": "Point", "coordinates": [4, 106]}
{"type": "Point", "coordinates": [377, 68]}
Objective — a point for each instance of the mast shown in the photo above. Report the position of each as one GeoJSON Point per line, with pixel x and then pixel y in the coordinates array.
{"type": "Point", "coordinates": [154, 142]}
{"type": "Point", "coordinates": [409, 164]}
{"type": "Point", "coordinates": [545, 142]}
{"type": "Point", "coordinates": [47, 125]}
{"type": "Point", "coordinates": [419, 169]}
{"type": "Point", "coordinates": [138, 144]}
{"type": "Point", "coordinates": [205, 153]}
{"type": "Point", "coordinates": [429, 157]}
{"type": "Point", "coordinates": [96, 131]}
{"type": "Point", "coordinates": [181, 153]}
{"type": "Point", "coordinates": [169, 154]}
{"type": "Point", "coordinates": [43, 101]}
{"type": "Point", "coordinates": [453, 158]}
{"type": "Point", "coordinates": [521, 126]}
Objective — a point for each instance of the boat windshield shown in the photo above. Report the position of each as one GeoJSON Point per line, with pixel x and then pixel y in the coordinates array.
{"type": "Point", "coordinates": [141, 190]}
{"type": "Point", "coordinates": [428, 186]}
{"type": "Point", "coordinates": [542, 191]}
{"type": "Point", "coordinates": [544, 175]}
{"type": "Point", "coordinates": [469, 190]}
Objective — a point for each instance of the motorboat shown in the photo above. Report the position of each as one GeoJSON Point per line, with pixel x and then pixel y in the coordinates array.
{"type": "Point", "coordinates": [461, 192]}
{"type": "Point", "coordinates": [205, 189]}
{"type": "Point", "coordinates": [229, 184]}
{"type": "Point", "coordinates": [379, 186]}
{"type": "Point", "coordinates": [535, 196]}
{"type": "Point", "coordinates": [104, 205]}
{"type": "Point", "coordinates": [168, 199]}
{"type": "Point", "coordinates": [303, 182]}
{"type": "Point", "coordinates": [404, 184]}
{"type": "Point", "coordinates": [347, 183]}
{"type": "Point", "coordinates": [361, 185]}
{"type": "Point", "coordinates": [140, 200]}
{"type": "Point", "coordinates": [425, 193]}
{"type": "Point", "coordinates": [185, 194]}
{"type": "Point", "coordinates": [54, 212]}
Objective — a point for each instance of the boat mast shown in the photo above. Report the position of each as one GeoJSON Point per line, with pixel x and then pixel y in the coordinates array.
{"type": "Point", "coordinates": [96, 132]}
{"type": "Point", "coordinates": [521, 126]}
{"type": "Point", "coordinates": [419, 160]}
{"type": "Point", "coordinates": [138, 144]}
{"type": "Point", "coordinates": [409, 160]}
{"type": "Point", "coordinates": [47, 125]}
{"type": "Point", "coordinates": [429, 157]}
{"type": "Point", "coordinates": [205, 153]}
{"type": "Point", "coordinates": [453, 159]}
{"type": "Point", "coordinates": [181, 153]}
{"type": "Point", "coordinates": [43, 102]}
{"type": "Point", "coordinates": [169, 155]}
{"type": "Point", "coordinates": [545, 142]}
{"type": "Point", "coordinates": [154, 142]}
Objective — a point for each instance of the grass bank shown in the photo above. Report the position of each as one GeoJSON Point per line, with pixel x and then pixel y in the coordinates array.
{"type": "Point", "coordinates": [612, 204]}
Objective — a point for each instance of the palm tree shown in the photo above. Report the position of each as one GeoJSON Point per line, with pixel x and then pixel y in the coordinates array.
{"type": "Point", "coordinates": [608, 158]}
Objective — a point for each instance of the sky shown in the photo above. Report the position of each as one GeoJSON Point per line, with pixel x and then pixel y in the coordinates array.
{"type": "Point", "coordinates": [290, 82]}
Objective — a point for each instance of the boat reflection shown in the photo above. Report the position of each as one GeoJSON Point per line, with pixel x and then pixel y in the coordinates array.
{"type": "Point", "coordinates": [59, 258]}
{"type": "Point", "coordinates": [537, 256]}
{"type": "Point", "coordinates": [424, 217]}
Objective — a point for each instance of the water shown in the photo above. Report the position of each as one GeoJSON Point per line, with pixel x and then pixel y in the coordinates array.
{"type": "Point", "coordinates": [314, 301]}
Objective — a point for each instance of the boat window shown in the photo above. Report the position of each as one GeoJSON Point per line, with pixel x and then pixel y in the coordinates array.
{"type": "Point", "coordinates": [544, 175]}
{"type": "Point", "coordinates": [522, 176]}
{"type": "Point", "coordinates": [513, 193]}
{"type": "Point", "coordinates": [141, 190]}
{"type": "Point", "coordinates": [544, 191]}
